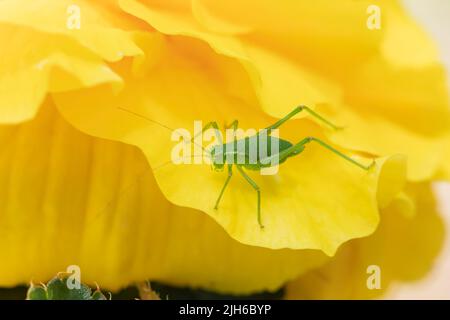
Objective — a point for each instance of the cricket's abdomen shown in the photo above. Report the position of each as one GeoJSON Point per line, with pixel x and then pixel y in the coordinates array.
{"type": "Point", "coordinates": [253, 153]}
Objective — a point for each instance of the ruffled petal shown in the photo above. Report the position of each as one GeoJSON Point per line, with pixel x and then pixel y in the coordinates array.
{"type": "Point", "coordinates": [44, 55]}
{"type": "Point", "coordinates": [103, 28]}
{"type": "Point", "coordinates": [404, 248]}
{"type": "Point", "coordinates": [68, 198]}
{"type": "Point", "coordinates": [34, 63]}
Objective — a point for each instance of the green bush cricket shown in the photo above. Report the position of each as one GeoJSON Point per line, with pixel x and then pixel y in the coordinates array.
{"type": "Point", "coordinates": [230, 154]}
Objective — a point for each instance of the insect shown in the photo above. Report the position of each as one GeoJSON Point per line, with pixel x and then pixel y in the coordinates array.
{"type": "Point", "coordinates": [230, 155]}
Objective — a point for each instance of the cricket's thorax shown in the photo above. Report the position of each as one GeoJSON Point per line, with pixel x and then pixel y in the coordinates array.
{"type": "Point", "coordinates": [252, 153]}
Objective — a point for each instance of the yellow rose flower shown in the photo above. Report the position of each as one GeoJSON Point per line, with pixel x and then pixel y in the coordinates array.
{"type": "Point", "coordinates": [74, 197]}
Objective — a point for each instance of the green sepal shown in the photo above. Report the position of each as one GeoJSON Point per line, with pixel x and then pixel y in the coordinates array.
{"type": "Point", "coordinates": [98, 295]}
{"type": "Point", "coordinates": [36, 293]}
{"type": "Point", "coordinates": [58, 289]}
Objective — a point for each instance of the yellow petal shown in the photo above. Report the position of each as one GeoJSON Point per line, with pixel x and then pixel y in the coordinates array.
{"type": "Point", "coordinates": [392, 179]}
{"type": "Point", "coordinates": [377, 135]}
{"type": "Point", "coordinates": [317, 201]}
{"type": "Point", "coordinates": [34, 63]}
{"type": "Point", "coordinates": [214, 22]}
{"type": "Point", "coordinates": [102, 28]}
{"type": "Point", "coordinates": [404, 203]}
{"type": "Point", "coordinates": [323, 35]}
{"type": "Point", "coordinates": [279, 82]}
{"type": "Point", "coordinates": [67, 198]}
{"type": "Point", "coordinates": [404, 248]}
{"type": "Point", "coordinates": [47, 51]}
{"type": "Point", "coordinates": [406, 43]}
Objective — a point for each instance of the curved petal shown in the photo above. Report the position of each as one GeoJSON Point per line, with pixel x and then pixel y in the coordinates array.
{"type": "Point", "coordinates": [391, 180]}
{"type": "Point", "coordinates": [278, 80]}
{"type": "Point", "coordinates": [377, 135]}
{"type": "Point", "coordinates": [179, 90]}
{"type": "Point", "coordinates": [34, 63]}
{"type": "Point", "coordinates": [406, 43]}
{"type": "Point", "coordinates": [404, 248]}
{"type": "Point", "coordinates": [216, 23]}
{"type": "Point", "coordinates": [45, 55]}
{"type": "Point", "coordinates": [67, 198]}
{"type": "Point", "coordinates": [103, 27]}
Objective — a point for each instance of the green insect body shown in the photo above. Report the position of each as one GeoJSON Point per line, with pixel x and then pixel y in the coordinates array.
{"type": "Point", "coordinates": [230, 154]}
{"type": "Point", "coordinates": [222, 154]}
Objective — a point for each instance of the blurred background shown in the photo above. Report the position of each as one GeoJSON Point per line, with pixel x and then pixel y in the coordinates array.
{"type": "Point", "coordinates": [434, 15]}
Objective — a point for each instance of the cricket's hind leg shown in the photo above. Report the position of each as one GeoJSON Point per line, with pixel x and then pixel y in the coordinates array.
{"type": "Point", "coordinates": [295, 148]}
{"type": "Point", "coordinates": [298, 110]}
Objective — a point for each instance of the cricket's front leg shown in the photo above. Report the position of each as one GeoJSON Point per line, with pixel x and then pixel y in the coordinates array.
{"type": "Point", "coordinates": [209, 125]}
{"type": "Point", "coordinates": [230, 174]}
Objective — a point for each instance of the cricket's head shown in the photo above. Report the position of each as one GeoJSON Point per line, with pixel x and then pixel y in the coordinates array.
{"type": "Point", "coordinates": [217, 158]}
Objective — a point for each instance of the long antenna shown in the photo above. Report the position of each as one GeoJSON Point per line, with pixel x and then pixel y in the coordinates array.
{"type": "Point", "coordinates": [131, 185]}
{"type": "Point", "coordinates": [143, 173]}
{"type": "Point", "coordinates": [160, 124]}
{"type": "Point", "coordinates": [170, 161]}
{"type": "Point", "coordinates": [148, 119]}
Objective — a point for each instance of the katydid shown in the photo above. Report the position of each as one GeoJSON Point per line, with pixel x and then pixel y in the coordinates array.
{"type": "Point", "coordinates": [227, 154]}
